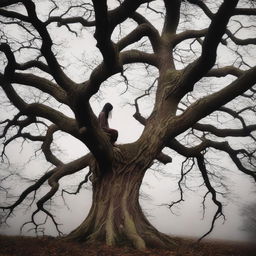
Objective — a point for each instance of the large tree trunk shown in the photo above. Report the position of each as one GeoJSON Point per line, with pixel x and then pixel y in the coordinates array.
{"type": "Point", "coordinates": [116, 217]}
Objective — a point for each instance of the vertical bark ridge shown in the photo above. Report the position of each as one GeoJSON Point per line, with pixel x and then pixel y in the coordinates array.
{"type": "Point", "coordinates": [116, 217]}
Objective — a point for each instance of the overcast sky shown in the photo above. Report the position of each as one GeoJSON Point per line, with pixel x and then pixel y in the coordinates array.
{"type": "Point", "coordinates": [158, 189]}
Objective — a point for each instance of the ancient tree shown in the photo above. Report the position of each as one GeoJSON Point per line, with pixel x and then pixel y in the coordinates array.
{"type": "Point", "coordinates": [201, 58]}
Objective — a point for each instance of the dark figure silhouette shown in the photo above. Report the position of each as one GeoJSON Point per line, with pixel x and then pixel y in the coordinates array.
{"type": "Point", "coordinates": [103, 121]}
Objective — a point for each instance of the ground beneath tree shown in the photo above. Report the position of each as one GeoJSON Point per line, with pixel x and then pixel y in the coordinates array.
{"type": "Point", "coordinates": [47, 246]}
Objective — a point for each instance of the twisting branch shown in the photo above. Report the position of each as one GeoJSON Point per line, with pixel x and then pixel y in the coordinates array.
{"type": "Point", "coordinates": [71, 20]}
{"type": "Point", "coordinates": [103, 34]}
{"type": "Point", "coordinates": [85, 180]}
{"type": "Point", "coordinates": [195, 71]}
{"type": "Point", "coordinates": [142, 30]}
{"type": "Point", "coordinates": [42, 84]}
{"type": "Point", "coordinates": [218, 213]}
{"type": "Point", "coordinates": [33, 64]}
{"type": "Point", "coordinates": [150, 30]}
{"type": "Point", "coordinates": [61, 78]}
{"type": "Point", "coordinates": [236, 11]}
{"type": "Point", "coordinates": [222, 146]}
{"type": "Point", "coordinates": [10, 67]}
{"type": "Point", "coordinates": [26, 192]}
{"type": "Point", "coordinates": [137, 115]}
{"type": "Point", "coordinates": [224, 71]}
{"type": "Point", "coordinates": [102, 73]}
{"type": "Point", "coordinates": [53, 178]}
{"type": "Point", "coordinates": [214, 101]}
{"type": "Point", "coordinates": [14, 15]}
{"type": "Point", "coordinates": [29, 79]}
{"type": "Point", "coordinates": [20, 124]}
{"type": "Point", "coordinates": [43, 72]}
{"type": "Point", "coordinates": [234, 155]}
{"type": "Point", "coordinates": [47, 144]}
{"type": "Point", "coordinates": [183, 172]}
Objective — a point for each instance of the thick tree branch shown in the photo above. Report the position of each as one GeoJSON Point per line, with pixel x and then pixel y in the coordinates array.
{"type": "Point", "coordinates": [42, 84]}
{"type": "Point", "coordinates": [245, 11]}
{"type": "Point", "coordinates": [101, 73]}
{"type": "Point", "coordinates": [11, 65]}
{"type": "Point", "coordinates": [237, 11]}
{"type": "Point", "coordinates": [33, 64]}
{"type": "Point", "coordinates": [213, 102]}
{"type": "Point", "coordinates": [239, 41]}
{"type": "Point", "coordinates": [13, 15]}
{"type": "Point", "coordinates": [225, 132]}
{"type": "Point", "coordinates": [36, 109]}
{"type": "Point", "coordinates": [126, 9]}
{"type": "Point", "coordinates": [5, 3]}
{"type": "Point", "coordinates": [53, 181]}
{"type": "Point", "coordinates": [28, 79]}
{"type": "Point", "coordinates": [60, 77]}
{"type": "Point", "coordinates": [172, 17]}
{"type": "Point", "coordinates": [64, 123]}
{"type": "Point", "coordinates": [11, 94]}
{"type": "Point", "coordinates": [71, 20]}
{"type": "Point", "coordinates": [195, 71]}
{"type": "Point", "coordinates": [142, 30]}
{"type": "Point", "coordinates": [46, 146]}
{"type": "Point", "coordinates": [103, 34]}
{"type": "Point", "coordinates": [188, 151]}
{"type": "Point", "coordinates": [163, 158]}
{"type": "Point", "coordinates": [189, 34]}
{"type": "Point", "coordinates": [222, 146]}
{"type": "Point", "coordinates": [224, 71]}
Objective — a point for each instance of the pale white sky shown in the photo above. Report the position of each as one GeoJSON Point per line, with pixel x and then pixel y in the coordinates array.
{"type": "Point", "coordinates": [160, 188]}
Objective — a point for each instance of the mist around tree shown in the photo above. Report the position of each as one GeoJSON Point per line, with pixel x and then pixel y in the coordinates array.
{"type": "Point", "coordinates": [248, 213]}
{"type": "Point", "coordinates": [186, 68]}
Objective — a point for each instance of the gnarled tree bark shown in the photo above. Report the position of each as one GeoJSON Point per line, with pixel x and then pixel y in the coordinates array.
{"type": "Point", "coordinates": [116, 217]}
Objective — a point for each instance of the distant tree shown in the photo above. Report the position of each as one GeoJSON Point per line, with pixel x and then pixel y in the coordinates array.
{"type": "Point", "coordinates": [200, 59]}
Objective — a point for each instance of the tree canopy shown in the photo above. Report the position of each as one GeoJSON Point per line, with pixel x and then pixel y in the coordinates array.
{"type": "Point", "coordinates": [195, 58]}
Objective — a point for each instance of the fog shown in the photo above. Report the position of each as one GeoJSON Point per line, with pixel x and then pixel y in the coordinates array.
{"type": "Point", "coordinates": [159, 188]}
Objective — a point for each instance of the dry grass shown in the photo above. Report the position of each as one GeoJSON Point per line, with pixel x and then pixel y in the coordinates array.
{"type": "Point", "coordinates": [47, 246]}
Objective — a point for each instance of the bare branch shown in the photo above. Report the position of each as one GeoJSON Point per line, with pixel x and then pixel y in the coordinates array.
{"type": "Point", "coordinates": [181, 180]}
{"type": "Point", "coordinates": [103, 35]}
{"type": "Point", "coordinates": [204, 63]}
{"type": "Point", "coordinates": [213, 102]}
{"type": "Point", "coordinates": [222, 146]}
{"type": "Point", "coordinates": [172, 17]}
{"type": "Point", "coordinates": [142, 30]}
{"type": "Point", "coordinates": [14, 15]}
{"type": "Point", "coordinates": [224, 71]}
{"type": "Point", "coordinates": [85, 180]}
{"type": "Point", "coordinates": [47, 144]}
{"type": "Point", "coordinates": [53, 177]}
{"type": "Point", "coordinates": [225, 132]}
{"type": "Point", "coordinates": [42, 84]}
{"type": "Point", "coordinates": [218, 213]}
{"type": "Point", "coordinates": [65, 82]}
